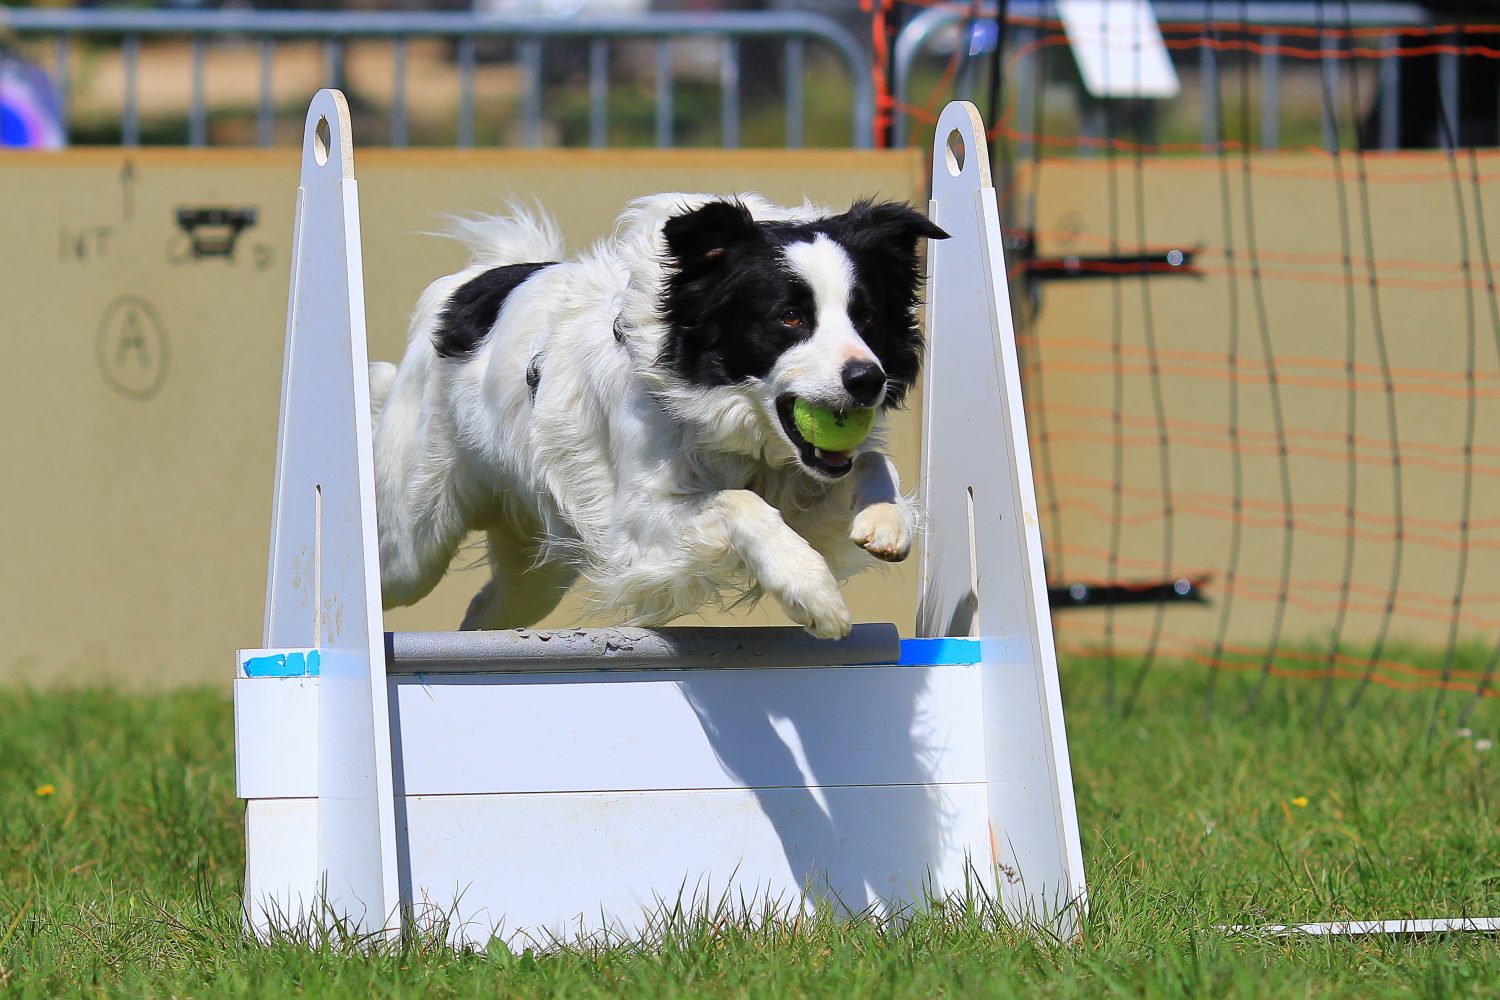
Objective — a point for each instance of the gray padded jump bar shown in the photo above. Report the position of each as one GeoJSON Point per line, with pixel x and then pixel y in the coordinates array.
{"type": "Point", "coordinates": [551, 650]}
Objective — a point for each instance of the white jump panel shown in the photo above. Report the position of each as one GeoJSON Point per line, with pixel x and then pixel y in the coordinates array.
{"type": "Point", "coordinates": [476, 734]}
{"type": "Point", "coordinates": [534, 868]}
{"type": "Point", "coordinates": [692, 729]}
{"type": "Point", "coordinates": [283, 880]}
{"type": "Point", "coordinates": [531, 869]}
{"type": "Point", "coordinates": [276, 737]}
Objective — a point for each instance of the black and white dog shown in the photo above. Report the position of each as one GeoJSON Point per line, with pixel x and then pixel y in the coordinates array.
{"type": "Point", "coordinates": [625, 417]}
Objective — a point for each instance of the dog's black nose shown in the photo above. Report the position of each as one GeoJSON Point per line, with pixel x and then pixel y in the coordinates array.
{"type": "Point", "coordinates": [864, 380]}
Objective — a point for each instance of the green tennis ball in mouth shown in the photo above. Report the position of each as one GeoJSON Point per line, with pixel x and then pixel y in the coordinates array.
{"type": "Point", "coordinates": [831, 430]}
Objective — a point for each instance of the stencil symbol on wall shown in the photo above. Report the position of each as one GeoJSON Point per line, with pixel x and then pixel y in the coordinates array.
{"type": "Point", "coordinates": [131, 348]}
{"type": "Point", "coordinates": [213, 232]}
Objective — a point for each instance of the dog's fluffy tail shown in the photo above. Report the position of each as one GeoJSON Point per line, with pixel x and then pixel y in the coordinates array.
{"type": "Point", "coordinates": [382, 377]}
{"type": "Point", "coordinates": [521, 234]}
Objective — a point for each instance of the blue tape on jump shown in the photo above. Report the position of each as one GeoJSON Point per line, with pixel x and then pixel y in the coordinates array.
{"type": "Point", "coordinates": [938, 652]}
{"type": "Point", "coordinates": [283, 665]}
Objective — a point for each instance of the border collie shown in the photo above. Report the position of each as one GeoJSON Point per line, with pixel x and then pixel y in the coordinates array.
{"type": "Point", "coordinates": [625, 417]}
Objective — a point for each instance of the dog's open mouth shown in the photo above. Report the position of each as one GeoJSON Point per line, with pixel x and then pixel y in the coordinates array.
{"type": "Point", "coordinates": [832, 464]}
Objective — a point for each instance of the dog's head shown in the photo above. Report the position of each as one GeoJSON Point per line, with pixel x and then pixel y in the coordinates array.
{"type": "Point", "coordinates": [821, 308]}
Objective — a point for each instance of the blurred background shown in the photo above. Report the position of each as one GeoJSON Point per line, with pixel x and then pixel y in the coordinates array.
{"type": "Point", "coordinates": [1248, 244]}
{"type": "Point", "coordinates": [529, 73]}
{"type": "Point", "coordinates": [717, 73]}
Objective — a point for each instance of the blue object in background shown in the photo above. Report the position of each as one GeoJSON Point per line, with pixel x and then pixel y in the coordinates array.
{"type": "Point", "coordinates": [30, 113]}
{"type": "Point", "coordinates": [982, 37]}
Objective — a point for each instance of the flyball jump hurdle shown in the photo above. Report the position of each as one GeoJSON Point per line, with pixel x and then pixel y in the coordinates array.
{"type": "Point", "coordinates": [534, 785]}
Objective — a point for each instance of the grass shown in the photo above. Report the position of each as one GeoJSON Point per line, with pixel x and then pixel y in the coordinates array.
{"type": "Point", "coordinates": [123, 880]}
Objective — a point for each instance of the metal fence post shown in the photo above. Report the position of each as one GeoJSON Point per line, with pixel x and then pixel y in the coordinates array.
{"type": "Point", "coordinates": [399, 132]}
{"type": "Point", "coordinates": [729, 96]}
{"type": "Point", "coordinates": [466, 92]}
{"type": "Point", "coordinates": [61, 46]}
{"type": "Point", "coordinates": [663, 92]}
{"type": "Point", "coordinates": [198, 113]}
{"type": "Point", "coordinates": [1208, 92]}
{"type": "Point", "coordinates": [792, 55]}
{"type": "Point", "coordinates": [531, 92]}
{"type": "Point", "coordinates": [1390, 95]}
{"type": "Point", "coordinates": [1270, 92]}
{"type": "Point", "coordinates": [265, 121]}
{"type": "Point", "coordinates": [598, 93]}
{"type": "Point", "coordinates": [1329, 66]}
{"type": "Point", "coordinates": [1452, 135]}
{"type": "Point", "coordinates": [130, 118]}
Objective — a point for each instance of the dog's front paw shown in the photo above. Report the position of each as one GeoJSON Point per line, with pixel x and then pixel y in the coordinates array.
{"type": "Point", "coordinates": [826, 616]}
{"type": "Point", "coordinates": [814, 602]}
{"type": "Point", "coordinates": [884, 530]}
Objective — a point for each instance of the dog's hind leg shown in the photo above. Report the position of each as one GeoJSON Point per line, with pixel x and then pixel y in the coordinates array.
{"type": "Point", "coordinates": [522, 591]}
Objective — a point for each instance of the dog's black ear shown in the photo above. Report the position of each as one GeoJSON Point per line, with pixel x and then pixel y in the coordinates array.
{"type": "Point", "coordinates": [701, 236]}
{"type": "Point", "coordinates": [891, 223]}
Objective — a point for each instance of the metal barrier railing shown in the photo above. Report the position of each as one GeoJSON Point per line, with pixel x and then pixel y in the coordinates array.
{"type": "Point", "coordinates": [1267, 24]}
{"type": "Point", "coordinates": [1262, 21]}
{"type": "Point", "coordinates": [336, 29]}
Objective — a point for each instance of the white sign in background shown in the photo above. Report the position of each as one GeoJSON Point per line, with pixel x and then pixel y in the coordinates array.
{"type": "Point", "coordinates": [1119, 48]}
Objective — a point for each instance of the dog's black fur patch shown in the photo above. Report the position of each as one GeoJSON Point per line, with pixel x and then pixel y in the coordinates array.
{"type": "Point", "coordinates": [474, 306]}
{"type": "Point", "coordinates": [728, 289]}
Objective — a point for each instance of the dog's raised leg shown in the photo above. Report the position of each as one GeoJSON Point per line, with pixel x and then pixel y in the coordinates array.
{"type": "Point", "coordinates": [884, 520]}
{"type": "Point", "coordinates": [520, 591]}
{"type": "Point", "coordinates": [779, 559]}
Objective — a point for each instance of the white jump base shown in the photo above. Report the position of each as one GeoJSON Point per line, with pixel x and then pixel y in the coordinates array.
{"type": "Point", "coordinates": [536, 787]}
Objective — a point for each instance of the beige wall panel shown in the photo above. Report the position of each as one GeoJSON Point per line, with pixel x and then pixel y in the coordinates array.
{"type": "Point", "coordinates": [142, 384]}
{"type": "Point", "coordinates": [1428, 316]}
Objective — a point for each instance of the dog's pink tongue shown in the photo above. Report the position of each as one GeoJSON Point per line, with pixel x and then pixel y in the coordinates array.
{"type": "Point", "coordinates": [834, 457]}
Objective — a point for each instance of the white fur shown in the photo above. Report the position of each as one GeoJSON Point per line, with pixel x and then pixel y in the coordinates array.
{"type": "Point", "coordinates": [661, 496]}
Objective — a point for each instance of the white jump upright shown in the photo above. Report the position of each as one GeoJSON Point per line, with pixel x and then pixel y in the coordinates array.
{"type": "Point", "coordinates": [528, 787]}
{"type": "Point", "coordinates": [980, 554]}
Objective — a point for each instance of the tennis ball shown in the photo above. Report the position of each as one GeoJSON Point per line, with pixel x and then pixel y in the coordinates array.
{"type": "Point", "coordinates": [831, 430]}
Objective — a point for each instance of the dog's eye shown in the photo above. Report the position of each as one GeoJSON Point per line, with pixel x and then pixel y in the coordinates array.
{"type": "Point", "coordinates": [862, 317]}
{"type": "Point", "coordinates": [791, 318]}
